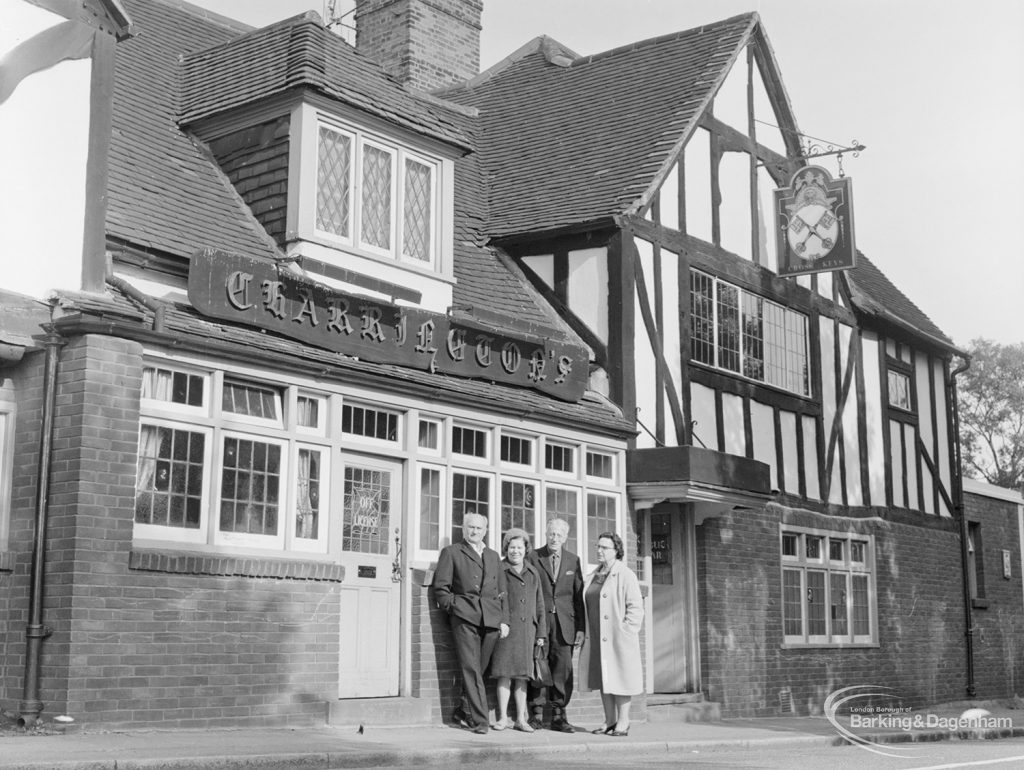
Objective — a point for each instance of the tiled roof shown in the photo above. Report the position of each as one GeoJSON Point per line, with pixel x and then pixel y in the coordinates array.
{"type": "Point", "coordinates": [583, 139]}
{"type": "Point", "coordinates": [183, 322]}
{"type": "Point", "coordinates": [875, 295]}
{"type": "Point", "coordinates": [165, 193]}
{"type": "Point", "coordinates": [301, 53]}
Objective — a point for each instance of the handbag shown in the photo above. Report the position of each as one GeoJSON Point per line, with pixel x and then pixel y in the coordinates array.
{"type": "Point", "coordinates": [541, 669]}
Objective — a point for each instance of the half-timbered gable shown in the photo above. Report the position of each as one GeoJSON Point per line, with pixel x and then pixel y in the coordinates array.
{"type": "Point", "coordinates": [778, 414]}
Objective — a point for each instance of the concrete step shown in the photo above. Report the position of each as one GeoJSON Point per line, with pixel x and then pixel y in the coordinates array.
{"type": "Point", "coordinates": [391, 712]}
{"type": "Point", "coordinates": [682, 707]}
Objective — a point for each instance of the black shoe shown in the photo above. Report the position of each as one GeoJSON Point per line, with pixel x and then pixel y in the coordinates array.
{"type": "Point", "coordinates": [536, 723]}
{"type": "Point", "coordinates": [461, 718]}
{"type": "Point", "coordinates": [481, 729]}
{"type": "Point", "coordinates": [619, 733]}
{"type": "Point", "coordinates": [561, 726]}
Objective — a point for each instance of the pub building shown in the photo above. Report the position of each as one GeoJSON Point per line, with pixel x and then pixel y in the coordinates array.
{"type": "Point", "coordinates": [333, 297]}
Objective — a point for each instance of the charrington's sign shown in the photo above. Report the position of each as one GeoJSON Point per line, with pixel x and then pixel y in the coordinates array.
{"type": "Point", "coordinates": [235, 288]}
{"type": "Point", "coordinates": [814, 232]}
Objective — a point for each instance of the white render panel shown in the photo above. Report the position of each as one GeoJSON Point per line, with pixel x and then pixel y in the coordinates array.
{"type": "Point", "coordinates": [668, 205]}
{"type": "Point", "coordinates": [702, 412]}
{"type": "Point", "coordinates": [874, 419]}
{"type": "Point", "coordinates": [811, 457]}
{"type": "Point", "coordinates": [670, 333]}
{"type": "Point", "coordinates": [732, 418]}
{"type": "Point", "coordinates": [588, 289]}
{"type": "Point", "coordinates": [697, 184]}
{"type": "Point", "coordinates": [731, 99]}
{"type": "Point", "coordinates": [828, 401]}
{"type": "Point", "coordinates": [804, 281]}
{"type": "Point", "coordinates": [762, 426]}
{"type": "Point", "coordinates": [943, 460]}
{"type": "Point", "coordinates": [923, 400]}
{"type": "Point", "coordinates": [896, 453]}
{"type": "Point", "coordinates": [768, 252]}
{"type": "Point", "coordinates": [765, 130]}
{"type": "Point", "coordinates": [734, 211]}
{"type": "Point", "coordinates": [851, 430]}
{"type": "Point", "coordinates": [544, 266]}
{"type": "Point", "coordinates": [910, 432]}
{"type": "Point", "coordinates": [645, 365]}
{"type": "Point", "coordinates": [927, 488]}
{"type": "Point", "coordinates": [825, 285]}
{"type": "Point", "coordinates": [790, 461]}
{"type": "Point", "coordinates": [44, 142]}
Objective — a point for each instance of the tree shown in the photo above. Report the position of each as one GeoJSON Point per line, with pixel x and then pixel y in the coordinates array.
{"type": "Point", "coordinates": [991, 396]}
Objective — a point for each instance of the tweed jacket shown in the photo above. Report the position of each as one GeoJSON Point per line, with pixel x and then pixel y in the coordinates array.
{"type": "Point", "coordinates": [471, 586]}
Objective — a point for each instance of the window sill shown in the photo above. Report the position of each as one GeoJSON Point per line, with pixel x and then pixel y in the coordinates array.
{"type": "Point", "coordinates": [191, 563]}
{"type": "Point", "coordinates": [6, 561]}
{"type": "Point", "coordinates": [979, 603]}
{"type": "Point", "coordinates": [829, 646]}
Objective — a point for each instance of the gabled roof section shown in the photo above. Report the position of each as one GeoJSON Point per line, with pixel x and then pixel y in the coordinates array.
{"type": "Point", "coordinates": [107, 15]}
{"type": "Point", "coordinates": [301, 53]}
{"type": "Point", "coordinates": [165, 193]}
{"type": "Point", "coordinates": [875, 296]}
{"type": "Point", "coordinates": [566, 143]}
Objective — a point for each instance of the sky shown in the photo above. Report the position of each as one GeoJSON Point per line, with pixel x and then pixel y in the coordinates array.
{"type": "Point", "coordinates": [933, 90]}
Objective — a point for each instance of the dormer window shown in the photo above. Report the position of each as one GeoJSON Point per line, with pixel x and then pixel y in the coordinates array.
{"type": "Point", "coordinates": [379, 197]}
{"type": "Point", "coordinates": [372, 199]}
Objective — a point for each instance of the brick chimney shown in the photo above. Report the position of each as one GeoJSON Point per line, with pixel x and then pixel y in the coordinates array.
{"type": "Point", "coordinates": [427, 44]}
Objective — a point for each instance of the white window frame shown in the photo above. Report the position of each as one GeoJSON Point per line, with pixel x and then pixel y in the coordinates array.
{"type": "Point", "coordinates": [181, 534]}
{"type": "Point", "coordinates": [371, 441]}
{"type": "Point", "coordinates": [319, 543]}
{"type": "Point", "coordinates": [823, 563]}
{"type": "Point", "coordinates": [601, 453]}
{"type": "Point", "coordinates": [361, 138]}
{"type": "Point", "coordinates": [573, 448]}
{"type": "Point", "coordinates": [577, 492]}
{"type": "Point", "coordinates": [249, 419]}
{"type": "Point", "coordinates": [8, 418]}
{"type": "Point", "coordinates": [530, 441]}
{"type": "Point", "coordinates": [538, 506]}
{"type": "Point", "coordinates": [170, 407]}
{"type": "Point", "coordinates": [488, 442]}
{"type": "Point", "coordinates": [320, 429]}
{"type": "Point", "coordinates": [440, 431]}
{"type": "Point", "coordinates": [222, 537]}
{"type": "Point", "coordinates": [444, 514]}
{"type": "Point", "coordinates": [741, 295]}
{"type": "Point", "coordinates": [587, 556]}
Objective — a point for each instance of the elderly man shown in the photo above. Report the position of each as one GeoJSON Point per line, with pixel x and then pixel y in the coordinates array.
{"type": "Point", "coordinates": [562, 584]}
{"type": "Point", "coordinates": [469, 584]}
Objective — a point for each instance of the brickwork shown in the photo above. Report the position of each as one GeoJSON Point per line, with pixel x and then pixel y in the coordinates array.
{"type": "Point", "coordinates": [920, 650]}
{"type": "Point", "coordinates": [999, 616]}
{"type": "Point", "coordinates": [428, 44]}
{"type": "Point", "coordinates": [256, 161]}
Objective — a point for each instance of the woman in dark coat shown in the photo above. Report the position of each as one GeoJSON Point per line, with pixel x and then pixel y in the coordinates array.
{"type": "Point", "coordinates": [513, 657]}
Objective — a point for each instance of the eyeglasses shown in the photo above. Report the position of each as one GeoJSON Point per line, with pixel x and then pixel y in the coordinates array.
{"type": "Point", "coordinates": [606, 548]}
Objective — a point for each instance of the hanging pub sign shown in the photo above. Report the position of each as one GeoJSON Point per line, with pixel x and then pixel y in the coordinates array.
{"type": "Point", "coordinates": [258, 293]}
{"type": "Point", "coordinates": [814, 218]}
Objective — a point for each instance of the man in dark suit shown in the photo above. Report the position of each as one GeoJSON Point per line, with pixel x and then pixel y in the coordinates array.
{"type": "Point", "coordinates": [469, 584]}
{"type": "Point", "coordinates": [562, 584]}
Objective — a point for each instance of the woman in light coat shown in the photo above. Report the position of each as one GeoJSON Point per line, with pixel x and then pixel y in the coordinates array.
{"type": "Point", "coordinates": [610, 657]}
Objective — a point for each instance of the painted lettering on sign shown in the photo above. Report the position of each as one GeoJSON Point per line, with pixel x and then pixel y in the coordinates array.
{"type": "Point", "coordinates": [235, 288]}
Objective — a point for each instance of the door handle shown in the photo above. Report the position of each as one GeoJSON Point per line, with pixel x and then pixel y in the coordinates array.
{"type": "Point", "coordinates": [396, 565]}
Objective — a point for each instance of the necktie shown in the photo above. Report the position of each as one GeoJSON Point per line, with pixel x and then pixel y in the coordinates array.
{"type": "Point", "coordinates": [554, 563]}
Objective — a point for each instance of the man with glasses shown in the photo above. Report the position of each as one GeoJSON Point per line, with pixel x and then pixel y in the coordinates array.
{"type": "Point", "coordinates": [562, 585]}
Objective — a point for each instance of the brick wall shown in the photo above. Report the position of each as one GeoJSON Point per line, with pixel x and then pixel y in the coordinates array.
{"type": "Point", "coordinates": [920, 614]}
{"type": "Point", "coordinates": [256, 162]}
{"type": "Point", "coordinates": [999, 616]}
{"type": "Point", "coordinates": [428, 44]}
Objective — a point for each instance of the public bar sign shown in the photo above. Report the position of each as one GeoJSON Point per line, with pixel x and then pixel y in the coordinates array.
{"type": "Point", "coordinates": [814, 223]}
{"type": "Point", "coordinates": [257, 293]}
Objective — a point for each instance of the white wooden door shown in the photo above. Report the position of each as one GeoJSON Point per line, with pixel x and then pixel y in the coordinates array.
{"type": "Point", "coordinates": [673, 600]}
{"type": "Point", "coordinates": [370, 599]}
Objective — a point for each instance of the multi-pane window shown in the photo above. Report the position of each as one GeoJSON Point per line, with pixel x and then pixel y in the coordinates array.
{"type": "Point", "coordinates": [601, 517]}
{"type": "Point", "coordinates": [827, 588]}
{"type": "Point", "coordinates": [245, 473]}
{"type": "Point", "coordinates": [516, 450]}
{"type": "Point", "coordinates": [600, 465]}
{"type": "Point", "coordinates": [899, 389]}
{"type": "Point", "coordinates": [375, 195]}
{"type": "Point", "coordinates": [430, 508]}
{"type": "Point", "coordinates": [469, 441]}
{"type": "Point", "coordinates": [429, 435]}
{"type": "Point", "coordinates": [559, 458]}
{"type": "Point", "coordinates": [369, 423]}
{"type": "Point", "coordinates": [563, 503]}
{"type": "Point", "coordinates": [518, 506]}
{"type": "Point", "coordinates": [470, 494]}
{"type": "Point", "coordinates": [741, 332]}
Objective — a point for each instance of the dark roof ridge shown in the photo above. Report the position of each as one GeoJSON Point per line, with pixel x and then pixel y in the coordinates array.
{"type": "Point", "coordinates": [207, 15]}
{"type": "Point", "coordinates": [636, 45]}
{"type": "Point", "coordinates": [550, 47]}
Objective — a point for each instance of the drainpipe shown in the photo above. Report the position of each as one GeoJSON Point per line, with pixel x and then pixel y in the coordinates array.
{"type": "Point", "coordinates": [31, 707]}
{"type": "Point", "coordinates": [145, 300]}
{"type": "Point", "coordinates": [958, 504]}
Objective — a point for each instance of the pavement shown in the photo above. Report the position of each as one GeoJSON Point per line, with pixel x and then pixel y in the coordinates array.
{"type": "Point", "coordinates": [446, 746]}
